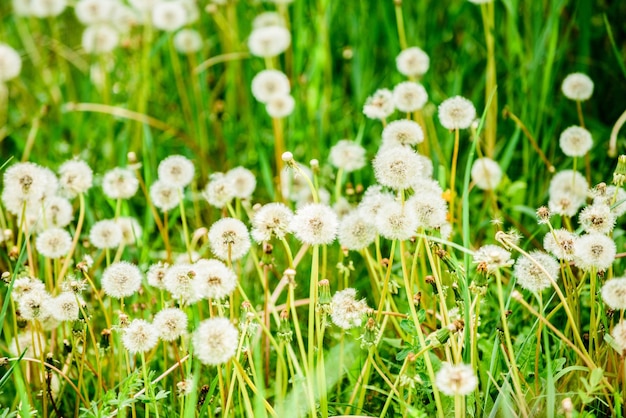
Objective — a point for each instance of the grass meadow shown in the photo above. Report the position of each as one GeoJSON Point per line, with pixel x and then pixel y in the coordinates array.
{"type": "Point", "coordinates": [312, 208]}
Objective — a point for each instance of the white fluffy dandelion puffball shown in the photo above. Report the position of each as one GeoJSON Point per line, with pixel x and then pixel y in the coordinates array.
{"type": "Point", "coordinates": [456, 113]}
{"type": "Point", "coordinates": [577, 86]}
{"type": "Point", "coordinates": [215, 341]}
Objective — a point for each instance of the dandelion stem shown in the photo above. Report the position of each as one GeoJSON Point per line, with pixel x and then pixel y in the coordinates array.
{"type": "Point", "coordinates": [507, 113]}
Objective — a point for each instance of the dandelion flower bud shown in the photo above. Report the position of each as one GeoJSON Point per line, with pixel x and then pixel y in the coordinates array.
{"type": "Point", "coordinates": [268, 19]}
{"type": "Point", "coordinates": [268, 84]}
{"type": "Point", "coordinates": [187, 41]}
{"type": "Point", "coordinates": [219, 191]}
{"type": "Point", "coordinates": [65, 307]}
{"type": "Point", "coordinates": [220, 281]}
{"type": "Point", "coordinates": [402, 132]}
{"type": "Point", "coordinates": [176, 171]}
{"type": "Point", "coordinates": [185, 282]}
{"type": "Point", "coordinates": [347, 155]}
{"type": "Point", "coordinates": [99, 39]}
{"type": "Point", "coordinates": [379, 105]}
{"type": "Point", "coordinates": [486, 173]}
{"type": "Point", "coordinates": [614, 293]}
{"type": "Point", "coordinates": [315, 224]}
{"type": "Point", "coordinates": [397, 167]}
{"type": "Point", "coordinates": [562, 247]}
{"type": "Point", "coordinates": [89, 12]}
{"type": "Point", "coordinates": [594, 251]}
{"type": "Point", "coordinates": [597, 218]}
{"type": "Point", "coordinates": [577, 86]}
{"type": "Point", "coordinates": [57, 211]}
{"type": "Point", "coordinates": [164, 196]}
{"type": "Point", "coordinates": [140, 336]}
{"type": "Point", "coordinates": [280, 106]}
{"type": "Point", "coordinates": [24, 184]}
{"type": "Point", "coordinates": [121, 279]}
{"type": "Point", "coordinates": [619, 335]}
{"type": "Point", "coordinates": [169, 15]}
{"type": "Point", "coordinates": [105, 234]}
{"type": "Point", "coordinates": [75, 177]}
{"type": "Point", "coordinates": [412, 62]}
{"type": "Point", "coordinates": [269, 41]}
{"type": "Point", "coordinates": [215, 341]}
{"type": "Point", "coordinates": [396, 221]}
{"type": "Point", "coordinates": [531, 276]}
{"type": "Point", "coordinates": [10, 63]}
{"type": "Point", "coordinates": [54, 243]}
{"type": "Point", "coordinates": [575, 141]}
{"type": "Point", "coordinates": [120, 183]}
{"type": "Point", "coordinates": [47, 8]}
{"type": "Point", "coordinates": [243, 182]}
{"type": "Point", "coordinates": [156, 274]}
{"type": "Point", "coordinates": [272, 219]}
{"type": "Point", "coordinates": [492, 258]}
{"type": "Point", "coordinates": [456, 113]}
{"type": "Point", "coordinates": [170, 323]}
{"type": "Point", "coordinates": [130, 228]}
{"type": "Point", "coordinates": [229, 239]}
{"type": "Point", "coordinates": [346, 311]}
{"type": "Point", "coordinates": [355, 232]}
{"type": "Point", "coordinates": [409, 96]}
{"type": "Point", "coordinates": [458, 379]}
{"type": "Point", "coordinates": [429, 208]}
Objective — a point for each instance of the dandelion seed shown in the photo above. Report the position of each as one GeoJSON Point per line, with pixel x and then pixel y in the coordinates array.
{"type": "Point", "coordinates": [269, 41]}
{"type": "Point", "coordinates": [397, 167]}
{"type": "Point", "coordinates": [347, 155]}
{"type": "Point", "coordinates": [54, 243]}
{"type": "Point", "coordinates": [614, 293]}
{"type": "Point", "coordinates": [188, 41]}
{"type": "Point", "coordinates": [243, 182]}
{"type": "Point", "coordinates": [140, 336]}
{"type": "Point", "coordinates": [402, 132]}
{"type": "Point", "coordinates": [164, 196]}
{"type": "Point", "coordinates": [10, 63]}
{"type": "Point", "coordinates": [215, 341]}
{"type": "Point", "coordinates": [486, 173]}
{"type": "Point", "coordinates": [597, 218]}
{"type": "Point", "coordinates": [268, 84]}
{"type": "Point", "coordinates": [355, 232]}
{"type": "Point", "coordinates": [412, 62]}
{"type": "Point", "coordinates": [345, 310]}
{"type": "Point", "coordinates": [594, 251]}
{"type": "Point", "coordinates": [169, 15]}
{"type": "Point", "coordinates": [170, 323]}
{"type": "Point", "coordinates": [458, 379]}
{"type": "Point", "coordinates": [379, 105]}
{"type": "Point", "coordinates": [409, 96]}
{"type": "Point", "coordinates": [99, 39]}
{"type": "Point", "coordinates": [577, 86]}
{"type": "Point", "coordinates": [229, 239]}
{"type": "Point", "coordinates": [156, 274]}
{"type": "Point", "coordinates": [575, 141]}
{"type": "Point", "coordinates": [563, 246]}
{"type": "Point", "coordinates": [315, 224]}
{"type": "Point", "coordinates": [220, 281]}
{"type": "Point", "coordinates": [530, 276]}
{"type": "Point", "coordinates": [280, 106]}
{"type": "Point", "coordinates": [75, 177]}
{"type": "Point", "coordinates": [492, 258]}
{"type": "Point", "coordinates": [270, 220]}
{"type": "Point", "coordinates": [105, 234]}
{"type": "Point", "coordinates": [131, 230]}
{"type": "Point", "coordinates": [65, 307]}
{"type": "Point", "coordinates": [120, 183]}
{"type": "Point", "coordinates": [456, 113]}
{"type": "Point", "coordinates": [121, 279]}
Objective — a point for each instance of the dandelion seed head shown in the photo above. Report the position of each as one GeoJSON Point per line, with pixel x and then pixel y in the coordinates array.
{"type": "Point", "coordinates": [75, 177]}
{"type": "Point", "coordinates": [315, 224]}
{"type": "Point", "coordinates": [280, 106]}
{"type": "Point", "coordinates": [530, 276]}
{"type": "Point", "coordinates": [156, 274]}
{"type": "Point", "coordinates": [57, 211]}
{"type": "Point", "coordinates": [120, 183]}
{"type": "Point", "coordinates": [170, 323]}
{"type": "Point", "coordinates": [577, 86]}
{"type": "Point", "coordinates": [345, 310]}
{"type": "Point", "coordinates": [619, 335]}
{"type": "Point", "coordinates": [355, 231]}
{"type": "Point", "coordinates": [35, 305]}
{"type": "Point", "coordinates": [165, 196]}
{"type": "Point", "coordinates": [268, 84]}
{"type": "Point", "coordinates": [220, 281]}
{"type": "Point", "coordinates": [185, 282]}
{"type": "Point", "coordinates": [100, 39]}
{"type": "Point", "coordinates": [131, 230]}
{"type": "Point", "coordinates": [396, 221]}
{"type": "Point", "coordinates": [220, 190]}
{"type": "Point", "coordinates": [492, 257]}
{"type": "Point", "coordinates": [229, 239]}
{"type": "Point", "coordinates": [486, 173]}
{"type": "Point", "coordinates": [597, 218]}
{"type": "Point", "coordinates": [412, 62]}
{"type": "Point", "coordinates": [10, 63]}
{"type": "Point", "coordinates": [54, 243]}
{"type": "Point", "coordinates": [268, 19]}
{"type": "Point", "coordinates": [140, 336]}
{"type": "Point", "coordinates": [65, 307]}
{"type": "Point", "coordinates": [402, 132]}
{"type": "Point", "coordinates": [456, 113]}
{"type": "Point", "coordinates": [215, 341]}
{"type": "Point", "coordinates": [121, 279]}
{"type": "Point", "coordinates": [24, 285]}
{"type": "Point", "coordinates": [105, 234]}
{"type": "Point", "coordinates": [347, 155]}
{"type": "Point", "coordinates": [563, 246]}
{"type": "Point", "coordinates": [89, 12]}
{"type": "Point", "coordinates": [430, 209]}
{"type": "Point", "coordinates": [243, 182]}
{"type": "Point", "coordinates": [169, 16]}
{"type": "Point", "coordinates": [188, 41]}
{"type": "Point", "coordinates": [409, 96]}
{"type": "Point", "coordinates": [614, 293]}
{"type": "Point", "coordinates": [177, 171]}
{"type": "Point", "coordinates": [594, 251]}
{"type": "Point", "coordinates": [458, 379]}
{"type": "Point", "coordinates": [24, 184]}
{"type": "Point", "coordinates": [575, 141]}
{"type": "Point", "coordinates": [397, 167]}
{"type": "Point", "coordinates": [606, 197]}
{"type": "Point", "coordinates": [379, 105]}
{"type": "Point", "coordinates": [372, 201]}
{"type": "Point", "coordinates": [47, 8]}
{"type": "Point", "coordinates": [272, 219]}
{"type": "Point", "coordinates": [33, 342]}
{"type": "Point", "coordinates": [269, 41]}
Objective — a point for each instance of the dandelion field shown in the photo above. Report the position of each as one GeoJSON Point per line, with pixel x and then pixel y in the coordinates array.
{"type": "Point", "coordinates": [292, 209]}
